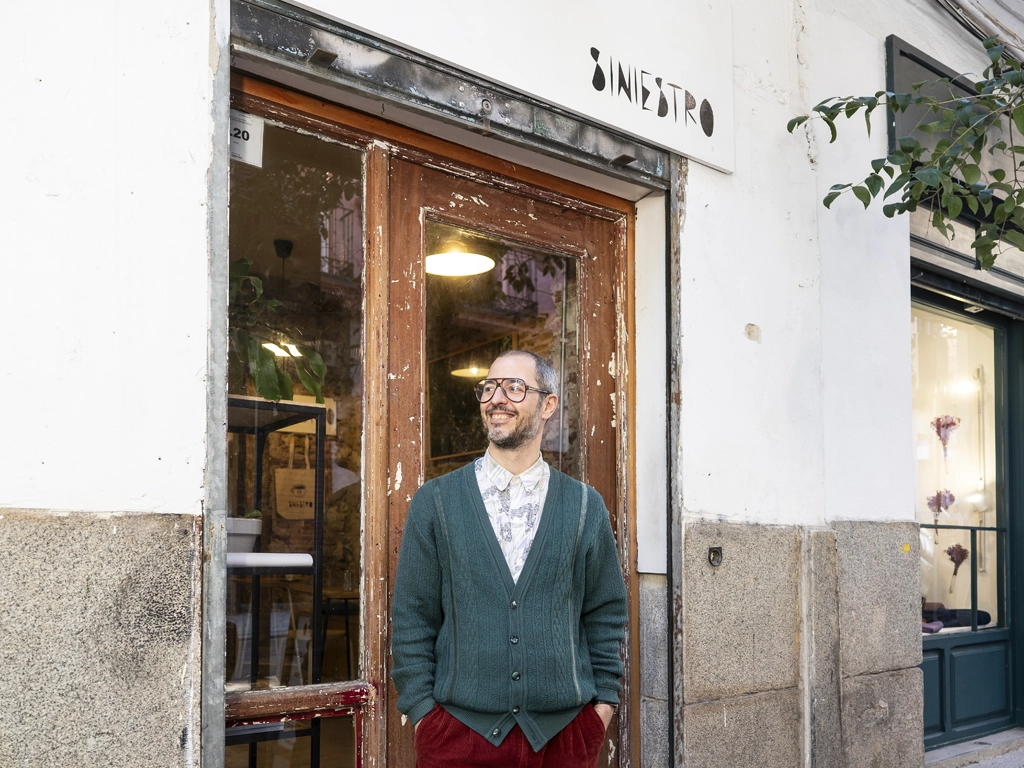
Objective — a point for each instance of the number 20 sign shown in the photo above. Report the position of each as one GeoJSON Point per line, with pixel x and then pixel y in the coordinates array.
{"type": "Point", "coordinates": [246, 138]}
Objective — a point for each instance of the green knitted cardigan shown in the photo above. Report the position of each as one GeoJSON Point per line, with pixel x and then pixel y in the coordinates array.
{"type": "Point", "coordinates": [494, 652]}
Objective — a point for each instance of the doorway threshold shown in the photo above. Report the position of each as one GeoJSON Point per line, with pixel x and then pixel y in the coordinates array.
{"type": "Point", "coordinates": [976, 750]}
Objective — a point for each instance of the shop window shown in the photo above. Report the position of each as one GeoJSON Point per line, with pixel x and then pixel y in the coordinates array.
{"type": "Point", "coordinates": [296, 227]}
{"type": "Point", "coordinates": [955, 372]}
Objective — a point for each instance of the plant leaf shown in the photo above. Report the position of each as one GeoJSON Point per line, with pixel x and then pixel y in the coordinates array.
{"type": "Point", "coordinates": [831, 127]}
{"type": "Point", "coordinates": [898, 158]}
{"type": "Point", "coordinates": [972, 174]}
{"type": "Point", "coordinates": [284, 382]}
{"type": "Point", "coordinates": [795, 122]}
{"type": "Point", "coordinates": [930, 176]}
{"type": "Point", "coordinates": [263, 370]}
{"type": "Point", "coordinates": [1017, 238]}
{"type": "Point", "coordinates": [312, 371]}
{"type": "Point", "coordinates": [908, 143]}
{"type": "Point", "coordinates": [1018, 117]}
{"type": "Point", "coordinates": [964, 113]}
{"type": "Point", "coordinates": [830, 198]}
{"type": "Point", "coordinates": [898, 183]}
{"type": "Point", "coordinates": [863, 195]}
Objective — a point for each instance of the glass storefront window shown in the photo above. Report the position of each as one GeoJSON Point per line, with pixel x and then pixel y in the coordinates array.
{"type": "Point", "coordinates": [524, 299]}
{"type": "Point", "coordinates": [954, 378]}
{"type": "Point", "coordinates": [287, 745]}
{"type": "Point", "coordinates": [296, 223]}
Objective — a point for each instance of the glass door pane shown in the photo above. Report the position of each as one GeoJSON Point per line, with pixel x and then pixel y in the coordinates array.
{"type": "Point", "coordinates": [526, 299]}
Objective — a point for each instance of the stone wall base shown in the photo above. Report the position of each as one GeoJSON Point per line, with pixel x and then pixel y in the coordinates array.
{"type": "Point", "coordinates": [801, 648]}
{"type": "Point", "coordinates": [99, 644]}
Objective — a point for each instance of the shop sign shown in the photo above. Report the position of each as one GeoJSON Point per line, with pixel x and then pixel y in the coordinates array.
{"type": "Point", "coordinates": [659, 70]}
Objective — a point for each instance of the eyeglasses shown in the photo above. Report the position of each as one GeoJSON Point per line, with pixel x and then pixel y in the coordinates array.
{"type": "Point", "coordinates": [515, 389]}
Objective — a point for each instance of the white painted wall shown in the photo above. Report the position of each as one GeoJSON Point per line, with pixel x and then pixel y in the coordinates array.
{"type": "Point", "coordinates": [105, 288]}
{"type": "Point", "coordinates": [812, 422]}
{"type": "Point", "coordinates": [751, 425]}
{"type": "Point", "coordinates": [104, 293]}
{"type": "Point", "coordinates": [865, 276]}
{"type": "Point", "coordinates": [650, 372]}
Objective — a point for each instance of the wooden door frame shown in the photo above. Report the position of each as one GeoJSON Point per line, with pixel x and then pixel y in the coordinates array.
{"type": "Point", "coordinates": [382, 141]}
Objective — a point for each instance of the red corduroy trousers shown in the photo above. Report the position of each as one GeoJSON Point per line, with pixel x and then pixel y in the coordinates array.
{"type": "Point", "coordinates": [442, 741]}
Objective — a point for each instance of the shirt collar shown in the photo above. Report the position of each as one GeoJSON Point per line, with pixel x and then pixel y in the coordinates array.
{"type": "Point", "coordinates": [500, 477]}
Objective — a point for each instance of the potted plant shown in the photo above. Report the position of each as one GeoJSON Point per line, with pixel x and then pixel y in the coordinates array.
{"type": "Point", "coordinates": [243, 531]}
{"type": "Point", "coordinates": [249, 330]}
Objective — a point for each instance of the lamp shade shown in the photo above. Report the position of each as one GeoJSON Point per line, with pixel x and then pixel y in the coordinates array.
{"type": "Point", "coordinates": [453, 259]}
{"type": "Point", "coordinates": [470, 373]}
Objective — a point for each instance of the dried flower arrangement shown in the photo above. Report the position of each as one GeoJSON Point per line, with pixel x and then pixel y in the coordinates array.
{"type": "Point", "coordinates": [939, 503]}
{"type": "Point", "coordinates": [958, 555]}
{"type": "Point", "coordinates": [944, 427]}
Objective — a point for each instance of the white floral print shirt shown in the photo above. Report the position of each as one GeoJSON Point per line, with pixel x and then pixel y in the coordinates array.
{"type": "Point", "coordinates": [514, 504]}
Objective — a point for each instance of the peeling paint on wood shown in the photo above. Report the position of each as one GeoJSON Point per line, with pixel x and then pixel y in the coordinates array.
{"type": "Point", "coordinates": [406, 180]}
{"type": "Point", "coordinates": [295, 703]}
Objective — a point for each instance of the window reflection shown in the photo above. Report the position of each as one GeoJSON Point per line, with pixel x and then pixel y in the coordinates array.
{"type": "Point", "coordinates": [527, 300]}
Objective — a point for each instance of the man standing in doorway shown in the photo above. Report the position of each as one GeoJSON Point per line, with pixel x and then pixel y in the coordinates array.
{"type": "Point", "coordinates": [509, 605]}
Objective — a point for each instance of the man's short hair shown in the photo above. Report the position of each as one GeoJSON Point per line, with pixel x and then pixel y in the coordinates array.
{"type": "Point", "coordinates": [547, 377]}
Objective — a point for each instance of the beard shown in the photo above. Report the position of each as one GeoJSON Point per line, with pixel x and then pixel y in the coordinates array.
{"type": "Point", "coordinates": [527, 426]}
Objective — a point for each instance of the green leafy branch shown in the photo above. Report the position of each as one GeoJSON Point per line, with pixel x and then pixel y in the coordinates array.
{"type": "Point", "coordinates": [248, 309]}
{"type": "Point", "coordinates": [947, 177]}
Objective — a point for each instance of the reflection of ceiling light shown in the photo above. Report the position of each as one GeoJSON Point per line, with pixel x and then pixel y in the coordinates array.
{"type": "Point", "coordinates": [966, 387]}
{"type": "Point", "coordinates": [452, 260]}
{"type": "Point", "coordinates": [470, 373]}
{"type": "Point", "coordinates": [276, 349]}
{"type": "Point", "coordinates": [293, 351]}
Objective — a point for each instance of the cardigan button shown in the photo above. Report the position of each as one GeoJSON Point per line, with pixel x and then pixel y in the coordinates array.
{"type": "Point", "coordinates": [515, 675]}
{"type": "Point", "coordinates": [496, 732]}
{"type": "Point", "coordinates": [514, 640]}
{"type": "Point", "coordinates": [514, 605]}
{"type": "Point", "coordinates": [515, 710]}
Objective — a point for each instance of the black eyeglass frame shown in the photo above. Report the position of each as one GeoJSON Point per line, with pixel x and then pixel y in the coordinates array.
{"type": "Point", "coordinates": [478, 390]}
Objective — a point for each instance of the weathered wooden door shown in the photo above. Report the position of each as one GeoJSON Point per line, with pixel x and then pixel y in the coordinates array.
{"type": "Point", "coordinates": [558, 287]}
{"type": "Point", "coordinates": [559, 284]}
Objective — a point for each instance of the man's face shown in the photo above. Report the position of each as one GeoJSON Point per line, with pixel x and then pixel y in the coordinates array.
{"type": "Point", "coordinates": [512, 425]}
